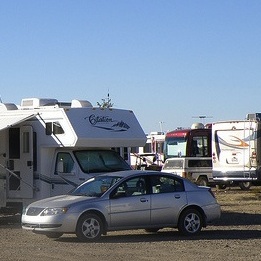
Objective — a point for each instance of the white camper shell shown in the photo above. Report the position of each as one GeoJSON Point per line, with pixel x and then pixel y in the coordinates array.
{"type": "Point", "coordinates": [236, 150]}
{"type": "Point", "coordinates": [47, 147]}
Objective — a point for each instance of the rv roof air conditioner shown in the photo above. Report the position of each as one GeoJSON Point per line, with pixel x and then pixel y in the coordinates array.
{"type": "Point", "coordinates": [80, 104]}
{"type": "Point", "coordinates": [197, 125]}
{"type": "Point", "coordinates": [30, 103]}
{"type": "Point", "coordinates": [7, 107]}
{"type": "Point", "coordinates": [254, 116]}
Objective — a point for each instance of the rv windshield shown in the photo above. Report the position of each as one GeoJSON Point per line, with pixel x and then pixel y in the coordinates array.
{"type": "Point", "coordinates": [175, 147]}
{"type": "Point", "coordinates": [95, 161]}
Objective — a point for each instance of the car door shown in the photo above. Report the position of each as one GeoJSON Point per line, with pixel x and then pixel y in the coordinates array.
{"type": "Point", "coordinates": [130, 205]}
{"type": "Point", "coordinates": [167, 199]}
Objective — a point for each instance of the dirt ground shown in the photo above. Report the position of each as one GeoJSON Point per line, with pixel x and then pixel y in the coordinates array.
{"type": "Point", "coordinates": [236, 236]}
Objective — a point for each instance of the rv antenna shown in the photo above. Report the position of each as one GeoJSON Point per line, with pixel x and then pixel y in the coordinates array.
{"type": "Point", "coordinates": [160, 123]}
{"type": "Point", "coordinates": [202, 117]}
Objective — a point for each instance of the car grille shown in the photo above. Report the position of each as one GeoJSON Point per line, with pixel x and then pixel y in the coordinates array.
{"type": "Point", "coordinates": [30, 225]}
{"type": "Point", "coordinates": [34, 211]}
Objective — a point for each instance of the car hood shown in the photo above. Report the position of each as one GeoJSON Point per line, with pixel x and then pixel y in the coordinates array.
{"type": "Point", "coordinates": [61, 201]}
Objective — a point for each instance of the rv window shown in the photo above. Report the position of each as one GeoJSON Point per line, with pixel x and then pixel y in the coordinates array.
{"type": "Point", "coordinates": [57, 128]}
{"type": "Point", "coordinates": [53, 128]}
{"type": "Point", "coordinates": [26, 142]}
{"type": "Point", "coordinates": [48, 128]}
{"type": "Point", "coordinates": [64, 163]}
{"type": "Point", "coordinates": [199, 146]}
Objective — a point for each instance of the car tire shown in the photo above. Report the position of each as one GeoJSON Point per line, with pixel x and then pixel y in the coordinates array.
{"type": "Point", "coordinates": [245, 185]}
{"type": "Point", "coordinates": [89, 227]}
{"type": "Point", "coordinates": [221, 186]}
{"type": "Point", "coordinates": [190, 222]}
{"type": "Point", "coordinates": [202, 181]}
{"type": "Point", "coordinates": [54, 235]}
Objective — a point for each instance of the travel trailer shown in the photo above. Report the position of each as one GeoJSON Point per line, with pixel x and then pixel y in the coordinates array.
{"type": "Point", "coordinates": [47, 147]}
{"type": "Point", "coordinates": [236, 149]}
{"type": "Point", "coordinates": [187, 153]}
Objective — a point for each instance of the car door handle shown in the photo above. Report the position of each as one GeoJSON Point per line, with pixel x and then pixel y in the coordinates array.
{"type": "Point", "coordinates": [177, 196]}
{"type": "Point", "coordinates": [143, 200]}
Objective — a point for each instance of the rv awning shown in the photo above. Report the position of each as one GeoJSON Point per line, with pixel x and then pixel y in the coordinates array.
{"type": "Point", "coordinates": [9, 120]}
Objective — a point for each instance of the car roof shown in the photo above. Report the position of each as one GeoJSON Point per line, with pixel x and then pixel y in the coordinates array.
{"type": "Point", "coordinates": [129, 173]}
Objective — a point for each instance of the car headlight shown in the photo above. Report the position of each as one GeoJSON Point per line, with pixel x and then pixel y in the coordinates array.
{"type": "Point", "coordinates": [54, 211]}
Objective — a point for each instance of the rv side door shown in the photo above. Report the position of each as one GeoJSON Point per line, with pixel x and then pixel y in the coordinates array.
{"type": "Point", "coordinates": [21, 163]}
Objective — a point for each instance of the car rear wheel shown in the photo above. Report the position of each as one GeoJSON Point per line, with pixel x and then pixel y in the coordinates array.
{"type": "Point", "coordinates": [245, 185]}
{"type": "Point", "coordinates": [202, 181]}
{"type": "Point", "coordinates": [89, 227]}
{"type": "Point", "coordinates": [190, 222]}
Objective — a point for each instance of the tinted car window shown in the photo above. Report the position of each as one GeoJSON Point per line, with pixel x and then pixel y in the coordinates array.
{"type": "Point", "coordinates": [132, 187]}
{"type": "Point", "coordinates": [165, 184]}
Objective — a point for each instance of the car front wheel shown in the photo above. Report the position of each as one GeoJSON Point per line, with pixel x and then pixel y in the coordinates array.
{"type": "Point", "coordinates": [89, 227]}
{"type": "Point", "coordinates": [190, 222]}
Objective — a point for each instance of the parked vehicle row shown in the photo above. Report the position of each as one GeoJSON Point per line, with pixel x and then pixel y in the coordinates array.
{"type": "Point", "coordinates": [222, 153]}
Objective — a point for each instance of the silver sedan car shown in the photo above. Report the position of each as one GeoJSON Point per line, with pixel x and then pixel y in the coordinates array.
{"type": "Point", "coordinates": [124, 200]}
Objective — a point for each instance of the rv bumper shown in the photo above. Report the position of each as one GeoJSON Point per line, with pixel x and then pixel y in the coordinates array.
{"type": "Point", "coordinates": [235, 175]}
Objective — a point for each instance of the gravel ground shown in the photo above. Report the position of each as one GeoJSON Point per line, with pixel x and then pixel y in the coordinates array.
{"type": "Point", "coordinates": [236, 236]}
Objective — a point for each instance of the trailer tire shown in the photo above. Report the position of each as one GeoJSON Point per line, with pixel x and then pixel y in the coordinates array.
{"type": "Point", "coordinates": [244, 185]}
{"type": "Point", "coordinates": [202, 181]}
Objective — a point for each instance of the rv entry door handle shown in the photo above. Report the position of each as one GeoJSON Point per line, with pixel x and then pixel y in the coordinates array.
{"type": "Point", "coordinates": [29, 163]}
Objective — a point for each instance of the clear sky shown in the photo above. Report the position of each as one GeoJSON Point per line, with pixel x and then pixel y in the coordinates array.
{"type": "Point", "coordinates": [169, 61]}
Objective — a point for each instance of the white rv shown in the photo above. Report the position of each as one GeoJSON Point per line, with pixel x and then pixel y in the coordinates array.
{"type": "Point", "coordinates": [47, 147]}
{"type": "Point", "coordinates": [236, 150]}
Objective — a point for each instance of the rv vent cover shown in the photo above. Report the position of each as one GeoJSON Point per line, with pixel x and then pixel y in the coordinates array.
{"type": "Point", "coordinates": [36, 102]}
{"type": "Point", "coordinates": [254, 116]}
{"type": "Point", "coordinates": [80, 104]}
{"type": "Point", "coordinates": [197, 125]}
{"type": "Point", "coordinates": [7, 106]}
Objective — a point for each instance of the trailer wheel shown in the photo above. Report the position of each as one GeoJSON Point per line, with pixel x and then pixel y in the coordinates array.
{"type": "Point", "coordinates": [244, 185]}
{"type": "Point", "coordinates": [202, 181]}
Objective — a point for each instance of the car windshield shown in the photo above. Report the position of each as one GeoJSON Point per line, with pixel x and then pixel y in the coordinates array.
{"type": "Point", "coordinates": [95, 187]}
{"type": "Point", "coordinates": [100, 161]}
